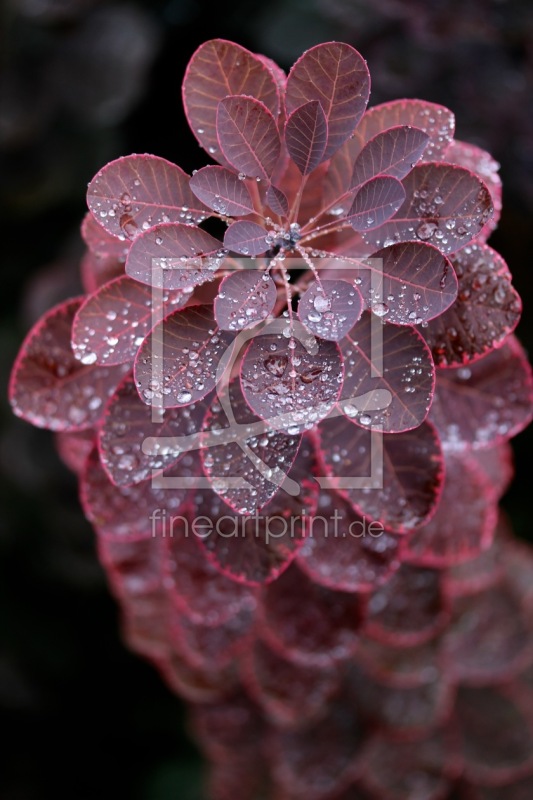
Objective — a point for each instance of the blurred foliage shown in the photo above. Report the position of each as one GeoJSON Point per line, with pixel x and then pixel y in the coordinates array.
{"type": "Point", "coordinates": [81, 82]}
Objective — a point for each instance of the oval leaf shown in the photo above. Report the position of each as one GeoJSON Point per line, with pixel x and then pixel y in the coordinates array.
{"type": "Point", "coordinates": [404, 483]}
{"type": "Point", "coordinates": [134, 193]}
{"type": "Point", "coordinates": [245, 460]}
{"type": "Point", "coordinates": [393, 152]}
{"type": "Point", "coordinates": [248, 136]}
{"type": "Point", "coordinates": [375, 202]}
{"type": "Point", "coordinates": [485, 403]}
{"type": "Point", "coordinates": [486, 168]}
{"type": "Point", "coordinates": [174, 256]}
{"type": "Point", "coordinates": [221, 190]}
{"type": "Point", "coordinates": [247, 238]}
{"type": "Point", "coordinates": [444, 205]}
{"type": "Point", "coordinates": [486, 311]}
{"type": "Point", "coordinates": [289, 385]}
{"type": "Point", "coordinates": [306, 136]}
{"type": "Point", "coordinates": [177, 364]}
{"type": "Point", "coordinates": [337, 76]}
{"type": "Point", "coordinates": [217, 69]}
{"type": "Point", "coordinates": [49, 387]}
{"type": "Point", "coordinates": [330, 308]}
{"type": "Point", "coordinates": [101, 242]}
{"type": "Point", "coordinates": [277, 201]}
{"type": "Point", "coordinates": [244, 298]}
{"type": "Point", "coordinates": [389, 377]}
{"type": "Point", "coordinates": [112, 323]}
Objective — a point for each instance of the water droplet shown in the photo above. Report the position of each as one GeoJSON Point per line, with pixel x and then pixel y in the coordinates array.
{"type": "Point", "coordinates": [184, 397]}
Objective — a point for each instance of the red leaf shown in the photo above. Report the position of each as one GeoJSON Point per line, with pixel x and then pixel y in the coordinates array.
{"type": "Point", "coordinates": [49, 387]}
{"type": "Point", "coordinates": [248, 136]}
{"type": "Point", "coordinates": [97, 270]}
{"type": "Point", "coordinates": [306, 136]}
{"type": "Point", "coordinates": [75, 448]}
{"type": "Point", "coordinates": [289, 385]}
{"type": "Point", "coordinates": [246, 237]}
{"type": "Point", "coordinates": [486, 168]}
{"type": "Point", "coordinates": [337, 76]}
{"type": "Point", "coordinates": [217, 69]}
{"type": "Point", "coordinates": [464, 523]}
{"type": "Point", "coordinates": [389, 378]}
{"type": "Point", "coordinates": [444, 205]}
{"type": "Point", "coordinates": [277, 201]}
{"type": "Point", "coordinates": [244, 298]}
{"type": "Point", "coordinates": [206, 646]}
{"type": "Point", "coordinates": [375, 203]}
{"type": "Point", "coordinates": [221, 190]}
{"type": "Point", "coordinates": [392, 152]}
{"type": "Point", "coordinates": [496, 463]}
{"type": "Point", "coordinates": [101, 243]}
{"type": "Point", "coordinates": [343, 551]}
{"type": "Point", "coordinates": [330, 308]}
{"type": "Point", "coordinates": [127, 425]}
{"type": "Point", "coordinates": [486, 311]}
{"type": "Point", "coordinates": [177, 364]}
{"type": "Point", "coordinates": [135, 193]}
{"type": "Point", "coordinates": [113, 322]}
{"type": "Point", "coordinates": [486, 403]}
{"type": "Point", "coordinates": [407, 283]}
{"type": "Point", "coordinates": [406, 482]}
{"type": "Point", "coordinates": [174, 256]}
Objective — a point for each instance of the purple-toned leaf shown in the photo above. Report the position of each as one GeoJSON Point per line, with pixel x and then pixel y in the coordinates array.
{"type": "Point", "coordinates": [100, 242]}
{"type": "Point", "coordinates": [319, 760]}
{"type": "Point", "coordinates": [177, 364]}
{"type": "Point", "coordinates": [307, 623]}
{"type": "Point", "coordinates": [287, 695]}
{"type": "Point", "coordinates": [97, 270]}
{"type": "Point", "coordinates": [125, 512]}
{"type": "Point", "coordinates": [496, 726]}
{"type": "Point", "coordinates": [488, 639]}
{"type": "Point", "coordinates": [389, 377]}
{"type": "Point", "coordinates": [277, 201]}
{"type": "Point", "coordinates": [256, 548]}
{"type": "Point", "coordinates": [306, 136]}
{"type": "Point", "coordinates": [375, 203]}
{"type": "Point", "coordinates": [407, 283]}
{"type": "Point", "coordinates": [217, 69]}
{"type": "Point", "coordinates": [290, 382]}
{"type": "Point", "coordinates": [212, 645]}
{"type": "Point", "coordinates": [133, 566]}
{"type": "Point", "coordinates": [330, 308]}
{"type": "Point", "coordinates": [337, 76]}
{"type": "Point", "coordinates": [464, 523]}
{"type": "Point", "coordinates": [496, 463]}
{"type": "Point", "coordinates": [128, 423]}
{"type": "Point", "coordinates": [486, 311]}
{"type": "Point", "coordinates": [486, 168]}
{"type": "Point", "coordinates": [480, 573]}
{"type": "Point", "coordinates": [191, 683]}
{"type": "Point", "coordinates": [112, 323]}
{"type": "Point", "coordinates": [227, 728]}
{"type": "Point", "coordinates": [49, 387]}
{"type": "Point", "coordinates": [134, 193]}
{"type": "Point", "coordinates": [485, 403]}
{"type": "Point", "coordinates": [239, 447]}
{"type": "Point", "coordinates": [409, 609]}
{"type": "Point", "coordinates": [401, 667]}
{"type": "Point", "coordinates": [444, 205]}
{"type": "Point", "coordinates": [393, 152]}
{"type": "Point", "coordinates": [247, 238]}
{"type": "Point", "coordinates": [244, 298]}
{"type": "Point", "coordinates": [74, 448]}
{"type": "Point", "coordinates": [174, 256]}
{"type": "Point", "coordinates": [345, 552]}
{"type": "Point", "coordinates": [436, 121]}
{"type": "Point", "coordinates": [221, 190]}
{"type": "Point", "coordinates": [248, 136]}
{"type": "Point", "coordinates": [404, 485]}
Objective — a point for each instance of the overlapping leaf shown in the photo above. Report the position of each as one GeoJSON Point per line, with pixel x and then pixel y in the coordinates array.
{"type": "Point", "coordinates": [135, 193]}
{"type": "Point", "coordinates": [444, 205]}
{"type": "Point", "coordinates": [485, 403]}
{"type": "Point", "coordinates": [306, 136]}
{"type": "Point", "coordinates": [330, 308]}
{"type": "Point", "coordinates": [486, 168]}
{"type": "Point", "coordinates": [248, 136]}
{"type": "Point", "coordinates": [245, 297]}
{"type": "Point", "coordinates": [101, 242]}
{"type": "Point", "coordinates": [49, 387]}
{"type": "Point", "coordinates": [389, 376]}
{"type": "Point", "coordinates": [174, 256]}
{"type": "Point", "coordinates": [403, 471]}
{"type": "Point", "coordinates": [247, 238]}
{"type": "Point", "coordinates": [217, 69]}
{"type": "Point", "coordinates": [337, 76]}
{"type": "Point", "coordinates": [177, 364]}
{"type": "Point", "coordinates": [220, 189]}
{"type": "Point", "coordinates": [375, 202]}
{"type": "Point", "coordinates": [392, 152]}
{"type": "Point", "coordinates": [486, 311]}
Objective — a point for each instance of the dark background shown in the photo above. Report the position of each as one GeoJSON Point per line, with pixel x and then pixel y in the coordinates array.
{"type": "Point", "coordinates": [82, 82]}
